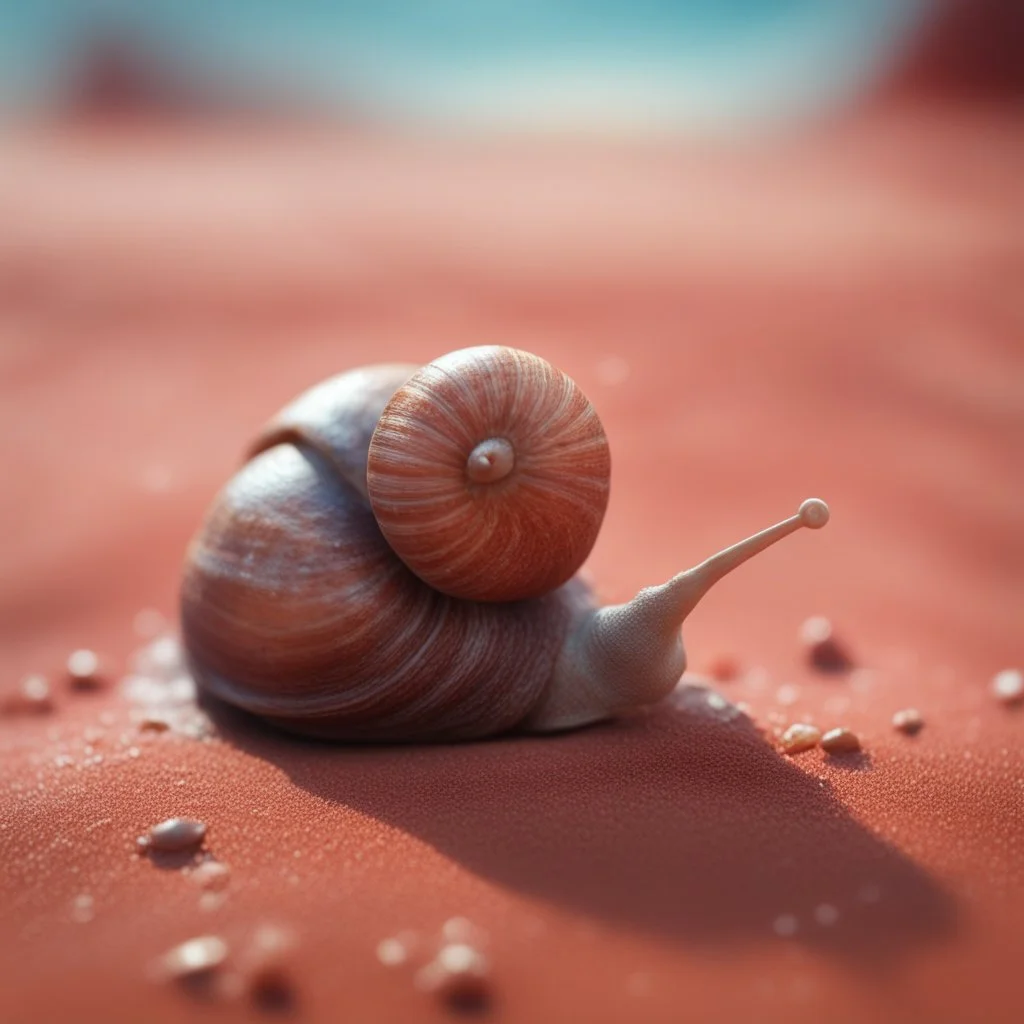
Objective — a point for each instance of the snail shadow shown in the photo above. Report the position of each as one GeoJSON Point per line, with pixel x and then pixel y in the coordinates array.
{"type": "Point", "coordinates": [683, 822]}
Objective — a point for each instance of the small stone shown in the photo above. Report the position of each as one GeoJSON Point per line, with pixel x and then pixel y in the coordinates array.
{"type": "Point", "coordinates": [785, 926]}
{"type": "Point", "coordinates": [212, 875]}
{"type": "Point", "coordinates": [462, 930]}
{"type": "Point", "coordinates": [266, 967]}
{"type": "Point", "coordinates": [800, 737]}
{"type": "Point", "coordinates": [162, 659]}
{"type": "Point", "coordinates": [34, 693]}
{"type": "Point", "coordinates": [722, 668]}
{"type": "Point", "coordinates": [82, 910]}
{"type": "Point", "coordinates": [840, 741]}
{"type": "Point", "coordinates": [716, 701]}
{"type": "Point", "coordinates": [272, 988]}
{"type": "Point", "coordinates": [210, 901]}
{"type": "Point", "coordinates": [398, 949]}
{"type": "Point", "coordinates": [153, 723]}
{"type": "Point", "coordinates": [83, 667]}
{"type": "Point", "coordinates": [175, 835]}
{"type": "Point", "coordinates": [459, 976]}
{"type": "Point", "coordinates": [908, 720]}
{"type": "Point", "coordinates": [1008, 685]}
{"type": "Point", "coordinates": [392, 952]}
{"type": "Point", "coordinates": [825, 651]}
{"type": "Point", "coordinates": [194, 957]}
{"type": "Point", "coordinates": [270, 942]}
{"type": "Point", "coordinates": [787, 694]}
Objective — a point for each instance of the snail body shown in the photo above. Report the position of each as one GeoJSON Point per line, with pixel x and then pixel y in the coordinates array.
{"type": "Point", "coordinates": [488, 471]}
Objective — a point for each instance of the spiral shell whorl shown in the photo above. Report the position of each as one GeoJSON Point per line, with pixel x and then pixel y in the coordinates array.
{"type": "Point", "coordinates": [294, 608]}
{"type": "Point", "coordinates": [489, 474]}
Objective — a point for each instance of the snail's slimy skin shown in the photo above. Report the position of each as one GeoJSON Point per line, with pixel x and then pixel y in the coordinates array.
{"type": "Point", "coordinates": [629, 655]}
{"type": "Point", "coordinates": [296, 608]}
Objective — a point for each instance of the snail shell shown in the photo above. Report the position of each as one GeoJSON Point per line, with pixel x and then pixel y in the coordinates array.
{"type": "Point", "coordinates": [295, 607]}
{"type": "Point", "coordinates": [488, 473]}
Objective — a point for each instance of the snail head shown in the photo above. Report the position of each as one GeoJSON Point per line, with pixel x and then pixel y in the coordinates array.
{"type": "Point", "coordinates": [627, 655]}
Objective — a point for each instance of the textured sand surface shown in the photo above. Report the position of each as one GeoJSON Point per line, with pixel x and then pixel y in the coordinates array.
{"type": "Point", "coordinates": [841, 318]}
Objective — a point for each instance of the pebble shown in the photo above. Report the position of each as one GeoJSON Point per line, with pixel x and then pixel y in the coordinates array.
{"type": "Point", "coordinates": [787, 694]}
{"type": "Point", "coordinates": [194, 957]}
{"type": "Point", "coordinates": [161, 659]}
{"type": "Point", "coordinates": [272, 988]}
{"type": "Point", "coordinates": [908, 720]}
{"type": "Point", "coordinates": [459, 976]}
{"type": "Point", "coordinates": [840, 741]}
{"type": "Point", "coordinates": [173, 835]}
{"type": "Point", "coordinates": [34, 693]}
{"type": "Point", "coordinates": [153, 723]}
{"type": "Point", "coordinates": [211, 875]}
{"type": "Point", "coordinates": [716, 701]}
{"type": "Point", "coordinates": [824, 649]}
{"type": "Point", "coordinates": [785, 926]}
{"type": "Point", "coordinates": [800, 737]}
{"type": "Point", "coordinates": [460, 929]}
{"type": "Point", "coordinates": [1008, 685]}
{"type": "Point", "coordinates": [392, 952]}
{"type": "Point", "coordinates": [398, 948]}
{"type": "Point", "coordinates": [82, 909]}
{"type": "Point", "coordinates": [83, 667]}
{"type": "Point", "coordinates": [266, 967]}
{"type": "Point", "coordinates": [211, 901]}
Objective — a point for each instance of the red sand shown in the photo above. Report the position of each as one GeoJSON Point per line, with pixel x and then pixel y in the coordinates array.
{"type": "Point", "coordinates": [840, 318]}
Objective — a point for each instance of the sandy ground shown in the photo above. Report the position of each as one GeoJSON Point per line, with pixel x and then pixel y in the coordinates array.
{"type": "Point", "coordinates": [840, 317]}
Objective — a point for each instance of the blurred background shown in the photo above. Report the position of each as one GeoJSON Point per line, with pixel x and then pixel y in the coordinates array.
{"type": "Point", "coordinates": [571, 66]}
{"type": "Point", "coordinates": [784, 220]}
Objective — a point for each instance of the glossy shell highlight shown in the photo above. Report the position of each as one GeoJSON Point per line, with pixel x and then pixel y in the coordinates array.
{"type": "Point", "coordinates": [489, 474]}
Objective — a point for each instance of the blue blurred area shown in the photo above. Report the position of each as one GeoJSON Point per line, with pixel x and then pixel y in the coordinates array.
{"type": "Point", "coordinates": [559, 63]}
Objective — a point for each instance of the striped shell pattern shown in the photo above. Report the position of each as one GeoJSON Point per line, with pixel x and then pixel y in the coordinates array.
{"type": "Point", "coordinates": [294, 604]}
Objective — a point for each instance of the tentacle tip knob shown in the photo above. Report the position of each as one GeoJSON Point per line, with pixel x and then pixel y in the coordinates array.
{"type": "Point", "coordinates": [813, 513]}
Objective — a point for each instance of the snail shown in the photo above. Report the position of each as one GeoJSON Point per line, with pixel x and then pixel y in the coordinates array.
{"type": "Point", "coordinates": [397, 559]}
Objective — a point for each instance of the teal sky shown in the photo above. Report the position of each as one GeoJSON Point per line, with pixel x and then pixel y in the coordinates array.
{"type": "Point", "coordinates": [480, 59]}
